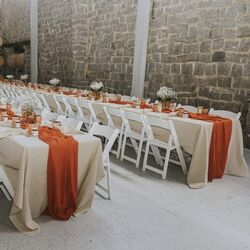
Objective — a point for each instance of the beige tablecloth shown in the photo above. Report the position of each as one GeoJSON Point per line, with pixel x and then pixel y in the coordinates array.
{"type": "Point", "coordinates": [195, 137]}
{"type": "Point", "coordinates": [25, 161]}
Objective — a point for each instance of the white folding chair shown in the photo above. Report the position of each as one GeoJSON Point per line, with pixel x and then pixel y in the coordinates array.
{"type": "Point", "coordinates": [134, 136]}
{"type": "Point", "coordinates": [45, 102]}
{"type": "Point", "coordinates": [115, 113]}
{"type": "Point", "coordinates": [171, 144]}
{"type": "Point", "coordinates": [5, 185]}
{"type": "Point", "coordinates": [49, 116]}
{"type": "Point", "coordinates": [187, 108]}
{"type": "Point", "coordinates": [61, 104]}
{"type": "Point", "coordinates": [225, 114]}
{"type": "Point", "coordinates": [71, 107]}
{"type": "Point", "coordinates": [110, 135]}
{"type": "Point", "coordinates": [86, 113]}
{"type": "Point", "coordinates": [71, 123]}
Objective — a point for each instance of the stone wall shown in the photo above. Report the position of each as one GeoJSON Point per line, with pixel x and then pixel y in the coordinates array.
{"type": "Point", "coordinates": [55, 40]}
{"type": "Point", "coordinates": [87, 41]}
{"type": "Point", "coordinates": [111, 41]}
{"type": "Point", "coordinates": [1, 17]}
{"type": "Point", "coordinates": [202, 49]}
{"type": "Point", "coordinates": [16, 20]}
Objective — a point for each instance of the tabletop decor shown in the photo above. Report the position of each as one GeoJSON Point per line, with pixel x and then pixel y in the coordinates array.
{"type": "Point", "coordinates": [28, 106]}
{"type": "Point", "coordinates": [55, 84]}
{"type": "Point", "coordinates": [24, 77]}
{"type": "Point", "coordinates": [166, 96]}
{"type": "Point", "coordinates": [10, 77]}
{"type": "Point", "coordinates": [96, 88]}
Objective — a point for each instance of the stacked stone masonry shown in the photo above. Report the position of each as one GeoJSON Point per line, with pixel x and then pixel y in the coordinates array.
{"type": "Point", "coordinates": [201, 48]}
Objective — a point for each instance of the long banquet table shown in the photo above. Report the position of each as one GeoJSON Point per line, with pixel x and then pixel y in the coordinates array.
{"type": "Point", "coordinates": [25, 163]}
{"type": "Point", "coordinates": [194, 137]}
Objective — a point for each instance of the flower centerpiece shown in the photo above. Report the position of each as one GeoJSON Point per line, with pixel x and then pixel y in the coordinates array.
{"type": "Point", "coordinates": [28, 106]}
{"type": "Point", "coordinates": [96, 88]}
{"type": "Point", "coordinates": [55, 84]}
{"type": "Point", "coordinates": [24, 78]}
{"type": "Point", "coordinates": [166, 96]}
{"type": "Point", "coordinates": [10, 77]}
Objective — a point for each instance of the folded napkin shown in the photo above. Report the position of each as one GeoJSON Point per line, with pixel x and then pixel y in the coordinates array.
{"type": "Point", "coordinates": [221, 136]}
{"type": "Point", "coordinates": [62, 171]}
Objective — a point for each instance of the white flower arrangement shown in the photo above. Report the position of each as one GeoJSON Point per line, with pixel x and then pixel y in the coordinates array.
{"type": "Point", "coordinates": [96, 86]}
{"type": "Point", "coordinates": [9, 76]}
{"type": "Point", "coordinates": [55, 82]}
{"type": "Point", "coordinates": [166, 94]}
{"type": "Point", "coordinates": [28, 104]}
{"type": "Point", "coordinates": [24, 77]}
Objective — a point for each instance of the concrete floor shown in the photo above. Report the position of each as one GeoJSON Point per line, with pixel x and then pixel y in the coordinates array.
{"type": "Point", "coordinates": [148, 213]}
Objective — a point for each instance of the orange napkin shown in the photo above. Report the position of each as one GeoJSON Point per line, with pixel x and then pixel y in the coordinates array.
{"type": "Point", "coordinates": [221, 136]}
{"type": "Point", "coordinates": [62, 172]}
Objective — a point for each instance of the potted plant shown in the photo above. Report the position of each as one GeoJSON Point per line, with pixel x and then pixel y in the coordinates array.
{"type": "Point", "coordinates": [96, 88]}
{"type": "Point", "coordinates": [166, 96]}
{"type": "Point", "coordinates": [28, 107]}
{"type": "Point", "coordinates": [55, 84]}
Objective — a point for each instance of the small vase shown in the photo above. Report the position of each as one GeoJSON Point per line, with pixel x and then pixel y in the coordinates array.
{"type": "Point", "coordinates": [27, 118]}
{"type": "Point", "coordinates": [56, 88]}
{"type": "Point", "coordinates": [96, 95]}
{"type": "Point", "coordinates": [166, 105]}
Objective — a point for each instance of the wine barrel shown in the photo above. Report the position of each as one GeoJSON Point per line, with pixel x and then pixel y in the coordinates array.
{"type": "Point", "coordinates": [1, 41]}
{"type": "Point", "coordinates": [16, 60]}
{"type": "Point", "coordinates": [1, 61]}
{"type": "Point", "coordinates": [19, 60]}
{"type": "Point", "coordinates": [11, 61]}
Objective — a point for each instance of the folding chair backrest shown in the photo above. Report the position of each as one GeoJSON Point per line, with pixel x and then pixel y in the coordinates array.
{"type": "Point", "coordinates": [88, 106]}
{"type": "Point", "coordinates": [71, 123]}
{"type": "Point", "coordinates": [225, 114]}
{"type": "Point", "coordinates": [48, 115]}
{"type": "Point", "coordinates": [157, 122]}
{"type": "Point", "coordinates": [187, 108]}
{"type": "Point", "coordinates": [108, 133]}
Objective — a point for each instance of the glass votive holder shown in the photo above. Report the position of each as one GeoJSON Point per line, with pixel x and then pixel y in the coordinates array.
{"type": "Point", "coordinates": [118, 98]}
{"type": "Point", "coordinates": [180, 112]}
{"type": "Point", "coordinates": [205, 111]}
{"type": "Point", "coordinates": [39, 119]}
{"type": "Point", "coordinates": [200, 109]}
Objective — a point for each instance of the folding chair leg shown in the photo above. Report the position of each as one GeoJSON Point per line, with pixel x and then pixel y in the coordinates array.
{"type": "Point", "coordinates": [139, 153]}
{"type": "Point", "coordinates": [123, 147]}
{"type": "Point", "coordinates": [134, 144]}
{"type": "Point", "coordinates": [145, 157]}
{"type": "Point", "coordinates": [157, 155]}
{"type": "Point", "coordinates": [119, 146]}
{"type": "Point", "coordinates": [165, 168]}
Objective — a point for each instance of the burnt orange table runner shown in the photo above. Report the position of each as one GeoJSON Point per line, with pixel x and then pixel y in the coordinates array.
{"type": "Point", "coordinates": [221, 135]}
{"type": "Point", "coordinates": [62, 169]}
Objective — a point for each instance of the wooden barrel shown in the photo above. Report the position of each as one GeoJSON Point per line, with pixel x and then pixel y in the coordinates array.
{"type": "Point", "coordinates": [16, 60]}
{"type": "Point", "coordinates": [11, 61]}
{"type": "Point", "coordinates": [1, 61]}
{"type": "Point", "coordinates": [1, 41]}
{"type": "Point", "coordinates": [19, 60]}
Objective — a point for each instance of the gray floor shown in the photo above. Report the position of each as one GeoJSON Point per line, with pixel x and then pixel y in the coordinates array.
{"type": "Point", "coordinates": [148, 213]}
